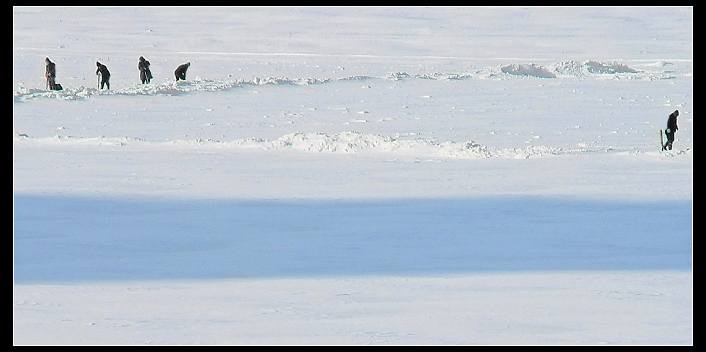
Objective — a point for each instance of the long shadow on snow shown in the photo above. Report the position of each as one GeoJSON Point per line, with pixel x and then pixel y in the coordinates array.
{"type": "Point", "coordinates": [68, 239]}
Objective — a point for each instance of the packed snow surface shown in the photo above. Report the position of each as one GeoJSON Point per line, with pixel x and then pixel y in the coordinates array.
{"type": "Point", "coordinates": [326, 175]}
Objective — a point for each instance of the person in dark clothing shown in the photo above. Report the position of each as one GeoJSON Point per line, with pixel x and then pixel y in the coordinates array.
{"type": "Point", "coordinates": [180, 72]}
{"type": "Point", "coordinates": [50, 74]}
{"type": "Point", "coordinates": [105, 75]}
{"type": "Point", "coordinates": [671, 129]}
{"type": "Point", "coordinates": [145, 73]}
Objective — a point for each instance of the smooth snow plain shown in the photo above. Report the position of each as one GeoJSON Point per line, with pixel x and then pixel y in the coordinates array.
{"type": "Point", "coordinates": [345, 175]}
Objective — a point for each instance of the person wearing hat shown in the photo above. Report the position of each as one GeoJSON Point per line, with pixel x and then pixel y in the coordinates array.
{"type": "Point", "coordinates": [671, 129]}
{"type": "Point", "coordinates": [145, 73]}
{"type": "Point", "coordinates": [180, 72]}
{"type": "Point", "coordinates": [105, 75]}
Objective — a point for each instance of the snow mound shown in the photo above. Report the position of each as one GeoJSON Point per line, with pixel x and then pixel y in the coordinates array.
{"type": "Point", "coordinates": [600, 68]}
{"type": "Point", "coordinates": [568, 69]}
{"type": "Point", "coordinates": [527, 70]}
{"type": "Point", "coordinates": [582, 69]}
{"type": "Point", "coordinates": [349, 142]}
{"type": "Point", "coordinates": [345, 142]}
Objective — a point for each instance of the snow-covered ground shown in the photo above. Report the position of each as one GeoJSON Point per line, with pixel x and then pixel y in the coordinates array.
{"type": "Point", "coordinates": [394, 175]}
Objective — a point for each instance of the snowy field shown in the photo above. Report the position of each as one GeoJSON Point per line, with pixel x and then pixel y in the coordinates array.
{"type": "Point", "coordinates": [395, 175]}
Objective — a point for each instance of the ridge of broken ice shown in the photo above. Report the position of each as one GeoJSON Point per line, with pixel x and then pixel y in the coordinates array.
{"type": "Point", "coordinates": [347, 142]}
{"type": "Point", "coordinates": [561, 70]}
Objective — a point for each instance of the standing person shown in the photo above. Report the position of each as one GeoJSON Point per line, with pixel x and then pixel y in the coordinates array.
{"type": "Point", "coordinates": [145, 73]}
{"type": "Point", "coordinates": [50, 74]}
{"type": "Point", "coordinates": [180, 72]}
{"type": "Point", "coordinates": [105, 75]}
{"type": "Point", "coordinates": [671, 129]}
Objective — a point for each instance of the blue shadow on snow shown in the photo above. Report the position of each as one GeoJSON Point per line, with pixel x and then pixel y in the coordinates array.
{"type": "Point", "coordinates": [72, 239]}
